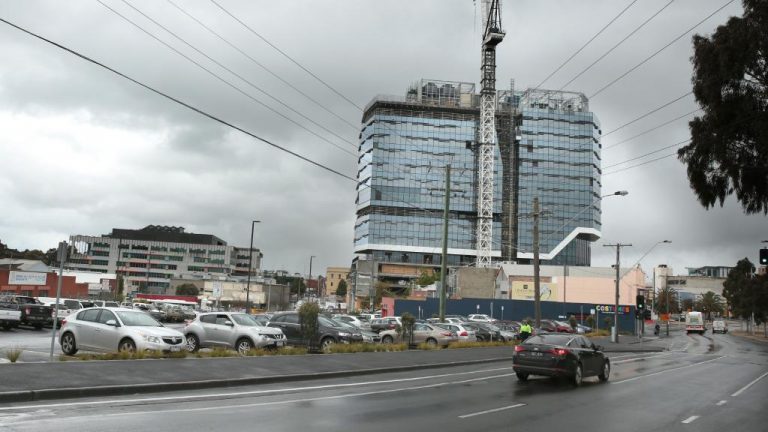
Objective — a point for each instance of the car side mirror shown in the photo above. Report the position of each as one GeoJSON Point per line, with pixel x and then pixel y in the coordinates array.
{"type": "Point", "coordinates": [111, 322]}
{"type": "Point", "coordinates": [229, 323]}
{"type": "Point", "coordinates": [597, 347]}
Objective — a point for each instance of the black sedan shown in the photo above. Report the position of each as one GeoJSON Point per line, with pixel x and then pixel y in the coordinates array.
{"type": "Point", "coordinates": [560, 355]}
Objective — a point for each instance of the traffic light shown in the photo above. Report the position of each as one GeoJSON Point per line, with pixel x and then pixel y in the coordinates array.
{"type": "Point", "coordinates": [640, 302]}
{"type": "Point", "coordinates": [763, 256]}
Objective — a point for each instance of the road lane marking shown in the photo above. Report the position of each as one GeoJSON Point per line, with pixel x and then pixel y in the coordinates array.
{"type": "Point", "coordinates": [491, 411]}
{"type": "Point", "coordinates": [244, 393]}
{"type": "Point", "coordinates": [690, 419]}
{"type": "Point", "coordinates": [285, 402]}
{"type": "Point", "coordinates": [740, 391]}
{"type": "Point", "coordinates": [667, 370]}
{"type": "Point", "coordinates": [638, 358]}
{"type": "Point", "coordinates": [722, 402]}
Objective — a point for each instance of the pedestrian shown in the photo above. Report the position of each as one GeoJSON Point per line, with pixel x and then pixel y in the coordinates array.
{"type": "Point", "coordinates": [525, 330]}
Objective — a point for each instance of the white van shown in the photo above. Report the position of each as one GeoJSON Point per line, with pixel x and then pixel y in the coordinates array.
{"type": "Point", "coordinates": [719, 326]}
{"type": "Point", "coordinates": [694, 322]}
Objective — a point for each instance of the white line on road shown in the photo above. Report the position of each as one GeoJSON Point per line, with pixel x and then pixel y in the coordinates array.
{"type": "Point", "coordinates": [244, 393]}
{"type": "Point", "coordinates": [722, 402]}
{"type": "Point", "coordinates": [285, 402]}
{"type": "Point", "coordinates": [491, 411]}
{"type": "Point", "coordinates": [690, 419]}
{"type": "Point", "coordinates": [639, 358]}
{"type": "Point", "coordinates": [749, 385]}
{"type": "Point", "coordinates": [666, 370]}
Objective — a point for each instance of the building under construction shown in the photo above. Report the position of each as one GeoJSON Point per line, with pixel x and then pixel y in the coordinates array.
{"type": "Point", "coordinates": [548, 147]}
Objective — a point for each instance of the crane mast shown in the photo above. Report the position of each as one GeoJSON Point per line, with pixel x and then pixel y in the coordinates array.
{"type": "Point", "coordinates": [492, 36]}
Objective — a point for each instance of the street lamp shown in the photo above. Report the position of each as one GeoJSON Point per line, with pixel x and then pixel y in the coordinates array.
{"type": "Point", "coordinates": [248, 281]}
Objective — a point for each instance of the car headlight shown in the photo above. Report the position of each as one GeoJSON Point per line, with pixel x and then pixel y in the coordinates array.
{"type": "Point", "coordinates": [150, 338]}
{"type": "Point", "coordinates": [344, 334]}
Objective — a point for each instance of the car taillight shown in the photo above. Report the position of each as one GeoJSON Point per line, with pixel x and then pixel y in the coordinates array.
{"type": "Point", "coordinates": [560, 352]}
{"type": "Point", "coordinates": [519, 348]}
{"type": "Point", "coordinates": [464, 333]}
{"type": "Point", "coordinates": [446, 333]}
{"type": "Point", "coordinates": [63, 321]}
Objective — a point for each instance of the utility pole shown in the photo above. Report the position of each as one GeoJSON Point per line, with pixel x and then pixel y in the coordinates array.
{"type": "Point", "coordinates": [444, 259]}
{"type": "Point", "coordinates": [372, 290]}
{"type": "Point", "coordinates": [306, 291]}
{"type": "Point", "coordinates": [565, 273]}
{"type": "Point", "coordinates": [615, 334]}
{"type": "Point", "coordinates": [248, 282]}
{"type": "Point", "coordinates": [62, 255]}
{"type": "Point", "coordinates": [536, 283]}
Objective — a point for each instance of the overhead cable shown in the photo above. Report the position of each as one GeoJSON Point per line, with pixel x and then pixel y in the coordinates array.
{"type": "Point", "coordinates": [648, 113]}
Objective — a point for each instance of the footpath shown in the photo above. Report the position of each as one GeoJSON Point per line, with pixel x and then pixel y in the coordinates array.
{"type": "Point", "coordinates": [21, 382]}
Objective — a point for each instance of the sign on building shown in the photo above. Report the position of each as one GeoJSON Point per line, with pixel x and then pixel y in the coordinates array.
{"type": "Point", "coordinates": [27, 278]}
{"type": "Point", "coordinates": [216, 289]}
{"type": "Point", "coordinates": [525, 291]}
{"type": "Point", "coordinates": [609, 309]}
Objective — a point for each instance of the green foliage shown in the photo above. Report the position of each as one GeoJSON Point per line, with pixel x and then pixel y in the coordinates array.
{"type": "Point", "coordinates": [187, 289]}
{"type": "Point", "coordinates": [365, 347]}
{"type": "Point", "coordinates": [728, 152]}
{"type": "Point", "coordinates": [667, 295]}
{"type": "Point", "coordinates": [709, 303]}
{"type": "Point", "coordinates": [341, 290]}
{"type": "Point", "coordinates": [591, 321]}
{"type": "Point", "coordinates": [608, 322]}
{"type": "Point", "coordinates": [426, 279]}
{"type": "Point", "coordinates": [406, 333]}
{"type": "Point", "coordinates": [49, 257]}
{"type": "Point", "coordinates": [746, 292]}
{"type": "Point", "coordinates": [488, 344]}
{"type": "Point", "coordinates": [572, 321]}
{"type": "Point", "coordinates": [308, 314]}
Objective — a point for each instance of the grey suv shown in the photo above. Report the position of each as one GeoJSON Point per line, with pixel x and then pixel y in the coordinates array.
{"type": "Point", "coordinates": [329, 332]}
{"type": "Point", "coordinates": [231, 330]}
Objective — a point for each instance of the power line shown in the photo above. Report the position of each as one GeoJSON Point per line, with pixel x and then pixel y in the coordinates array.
{"type": "Point", "coordinates": [285, 55]}
{"type": "Point", "coordinates": [228, 70]}
{"type": "Point", "coordinates": [180, 102]}
{"type": "Point", "coordinates": [648, 113]}
{"type": "Point", "coordinates": [256, 62]}
{"type": "Point", "coordinates": [659, 51]}
{"type": "Point", "coordinates": [651, 129]}
{"type": "Point", "coordinates": [640, 164]}
{"type": "Point", "coordinates": [587, 43]}
{"type": "Point", "coordinates": [617, 45]}
{"type": "Point", "coordinates": [649, 153]}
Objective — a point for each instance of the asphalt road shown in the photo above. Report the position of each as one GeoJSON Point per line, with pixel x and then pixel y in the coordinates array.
{"type": "Point", "coordinates": [705, 383]}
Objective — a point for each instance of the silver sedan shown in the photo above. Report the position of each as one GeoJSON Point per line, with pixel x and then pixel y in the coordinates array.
{"type": "Point", "coordinates": [116, 329]}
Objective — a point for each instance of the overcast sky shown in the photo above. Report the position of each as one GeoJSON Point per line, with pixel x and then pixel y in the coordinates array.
{"type": "Point", "coordinates": [84, 150]}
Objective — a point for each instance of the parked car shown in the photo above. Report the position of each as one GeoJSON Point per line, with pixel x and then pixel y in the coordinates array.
{"type": "Point", "coordinates": [484, 331]}
{"type": "Point", "coordinates": [387, 323]}
{"type": "Point", "coordinates": [116, 329]}
{"type": "Point", "coordinates": [10, 316]}
{"type": "Point", "coordinates": [33, 313]}
{"type": "Point", "coordinates": [368, 336]}
{"type": "Point", "coordinates": [237, 331]}
{"type": "Point", "coordinates": [719, 326]}
{"type": "Point", "coordinates": [583, 329]}
{"type": "Point", "coordinates": [105, 303]}
{"type": "Point", "coordinates": [328, 333]}
{"type": "Point", "coordinates": [430, 334]}
{"type": "Point", "coordinates": [566, 355]}
{"type": "Point", "coordinates": [553, 326]}
{"type": "Point", "coordinates": [357, 322]}
{"type": "Point", "coordinates": [464, 334]}
{"type": "Point", "coordinates": [480, 318]}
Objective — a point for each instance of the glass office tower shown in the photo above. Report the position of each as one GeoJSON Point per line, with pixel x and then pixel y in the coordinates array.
{"type": "Point", "coordinates": [405, 146]}
{"type": "Point", "coordinates": [558, 162]}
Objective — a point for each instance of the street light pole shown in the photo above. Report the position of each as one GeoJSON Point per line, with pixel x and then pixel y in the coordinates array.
{"type": "Point", "coordinates": [248, 281]}
{"type": "Point", "coordinates": [306, 292]}
{"type": "Point", "coordinates": [615, 335]}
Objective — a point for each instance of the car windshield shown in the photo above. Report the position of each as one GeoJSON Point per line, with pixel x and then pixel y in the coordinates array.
{"type": "Point", "coordinates": [341, 324]}
{"type": "Point", "coordinates": [137, 319]}
{"type": "Point", "coordinates": [260, 320]}
{"type": "Point", "coordinates": [244, 320]}
{"type": "Point", "coordinates": [327, 322]}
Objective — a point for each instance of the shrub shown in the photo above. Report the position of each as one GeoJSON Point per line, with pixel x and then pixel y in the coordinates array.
{"type": "Point", "coordinates": [308, 314]}
{"type": "Point", "coordinates": [591, 321]}
{"type": "Point", "coordinates": [427, 347]}
{"type": "Point", "coordinates": [572, 321]}
{"type": "Point", "coordinates": [407, 331]}
{"type": "Point", "coordinates": [13, 353]}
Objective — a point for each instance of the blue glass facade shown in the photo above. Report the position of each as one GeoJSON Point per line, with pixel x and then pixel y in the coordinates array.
{"type": "Point", "coordinates": [559, 162]}
{"type": "Point", "coordinates": [404, 150]}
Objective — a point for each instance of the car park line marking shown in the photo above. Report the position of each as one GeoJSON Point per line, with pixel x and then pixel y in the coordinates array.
{"type": "Point", "coordinates": [722, 402]}
{"type": "Point", "coordinates": [743, 389]}
{"type": "Point", "coordinates": [491, 411]}
{"type": "Point", "coordinates": [667, 370]}
{"type": "Point", "coordinates": [293, 401]}
{"type": "Point", "coordinates": [246, 393]}
{"type": "Point", "coordinates": [690, 419]}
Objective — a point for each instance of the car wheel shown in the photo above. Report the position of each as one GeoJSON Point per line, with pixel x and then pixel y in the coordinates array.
{"type": "Point", "coordinates": [68, 345]}
{"type": "Point", "coordinates": [38, 326]}
{"type": "Point", "coordinates": [326, 343]}
{"type": "Point", "coordinates": [606, 372]}
{"type": "Point", "coordinates": [193, 343]}
{"type": "Point", "coordinates": [577, 375]}
{"type": "Point", "coordinates": [431, 342]}
{"type": "Point", "coordinates": [479, 339]}
{"type": "Point", "coordinates": [387, 339]}
{"type": "Point", "coordinates": [243, 345]}
{"type": "Point", "coordinates": [126, 345]}
{"type": "Point", "coordinates": [522, 376]}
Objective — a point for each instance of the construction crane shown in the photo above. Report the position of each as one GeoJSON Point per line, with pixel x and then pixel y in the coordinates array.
{"type": "Point", "coordinates": [492, 36]}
